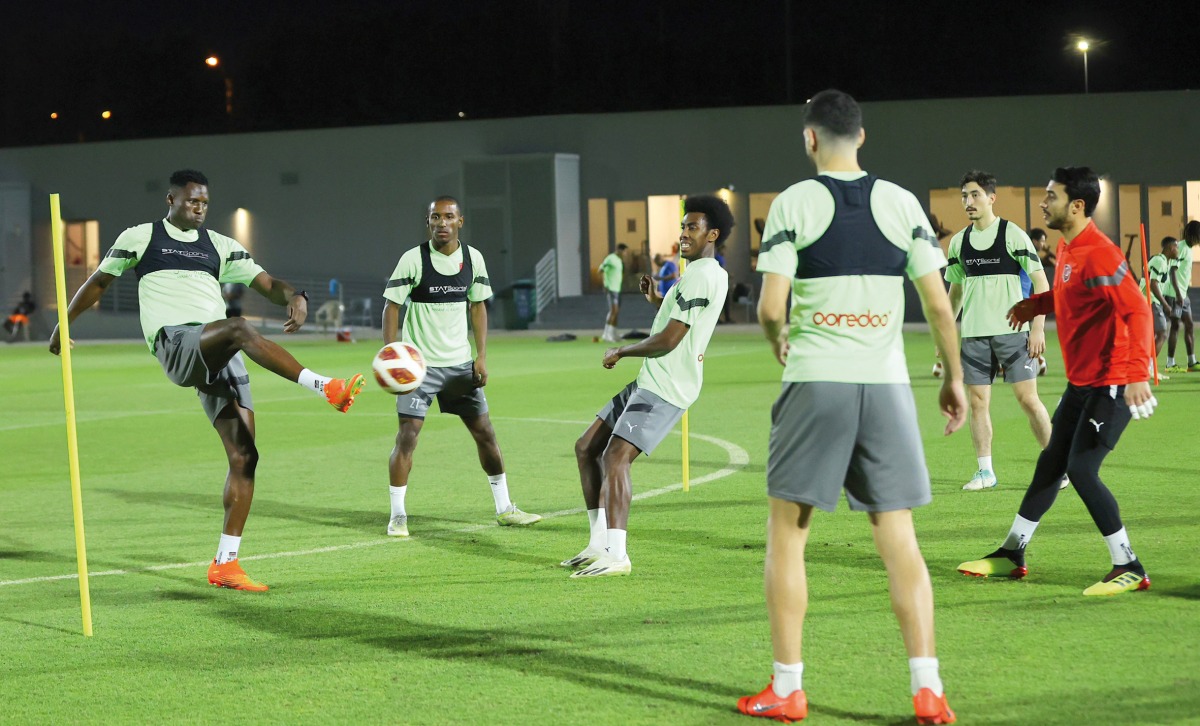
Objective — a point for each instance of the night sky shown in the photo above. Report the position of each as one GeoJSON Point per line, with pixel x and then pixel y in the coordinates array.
{"type": "Point", "coordinates": [309, 64]}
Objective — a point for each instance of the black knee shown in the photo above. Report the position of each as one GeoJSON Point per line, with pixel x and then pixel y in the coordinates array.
{"type": "Point", "coordinates": [244, 461]}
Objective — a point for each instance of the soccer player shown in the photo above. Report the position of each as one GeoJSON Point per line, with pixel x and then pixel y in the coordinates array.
{"type": "Point", "coordinates": [180, 267]}
{"type": "Point", "coordinates": [1104, 329]}
{"type": "Point", "coordinates": [638, 418]}
{"type": "Point", "coordinates": [1162, 288]}
{"type": "Point", "coordinates": [1181, 304]}
{"type": "Point", "coordinates": [613, 270]}
{"type": "Point", "coordinates": [441, 280]}
{"type": "Point", "coordinates": [841, 244]}
{"type": "Point", "coordinates": [984, 261]}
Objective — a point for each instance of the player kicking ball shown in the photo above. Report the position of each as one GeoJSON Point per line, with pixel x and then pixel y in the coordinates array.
{"type": "Point", "coordinates": [1106, 333]}
{"type": "Point", "coordinates": [638, 418]}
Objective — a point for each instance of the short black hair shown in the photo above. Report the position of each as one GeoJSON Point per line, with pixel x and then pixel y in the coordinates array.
{"type": "Point", "coordinates": [445, 198]}
{"type": "Point", "coordinates": [1082, 183]}
{"type": "Point", "coordinates": [834, 111]}
{"type": "Point", "coordinates": [183, 177]}
{"type": "Point", "coordinates": [1168, 241]}
{"type": "Point", "coordinates": [986, 181]}
{"type": "Point", "coordinates": [716, 212]}
{"type": "Point", "coordinates": [1191, 232]}
{"type": "Point", "coordinates": [1037, 233]}
{"type": "Point", "coordinates": [622, 246]}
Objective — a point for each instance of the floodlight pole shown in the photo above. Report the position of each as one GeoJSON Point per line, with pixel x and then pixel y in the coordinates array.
{"type": "Point", "coordinates": [1085, 72]}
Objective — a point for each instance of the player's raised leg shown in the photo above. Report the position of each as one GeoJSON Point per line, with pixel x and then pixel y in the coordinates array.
{"type": "Point", "coordinates": [235, 425]}
{"type": "Point", "coordinates": [588, 451]}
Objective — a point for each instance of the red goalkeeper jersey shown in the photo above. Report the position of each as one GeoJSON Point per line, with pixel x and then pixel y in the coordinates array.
{"type": "Point", "coordinates": [1104, 324]}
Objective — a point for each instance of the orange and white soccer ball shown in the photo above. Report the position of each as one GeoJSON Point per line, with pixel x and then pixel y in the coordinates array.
{"type": "Point", "coordinates": [399, 368]}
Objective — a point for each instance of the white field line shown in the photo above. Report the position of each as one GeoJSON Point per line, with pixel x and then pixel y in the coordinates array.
{"type": "Point", "coordinates": [738, 458]}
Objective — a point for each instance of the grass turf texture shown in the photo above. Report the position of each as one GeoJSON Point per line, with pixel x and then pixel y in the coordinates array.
{"type": "Point", "coordinates": [470, 622]}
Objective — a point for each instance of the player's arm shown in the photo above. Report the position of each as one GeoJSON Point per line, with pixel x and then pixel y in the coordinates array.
{"type": "Point", "coordinates": [659, 344]}
{"type": "Point", "coordinates": [956, 298]}
{"type": "Point", "coordinates": [1037, 327]}
{"type": "Point", "coordinates": [952, 399]}
{"type": "Point", "coordinates": [392, 317]}
{"type": "Point", "coordinates": [1177, 279]}
{"type": "Point", "coordinates": [1156, 291]}
{"type": "Point", "coordinates": [479, 323]}
{"type": "Point", "coordinates": [284, 295]}
{"type": "Point", "coordinates": [85, 297]}
{"type": "Point", "coordinates": [772, 313]}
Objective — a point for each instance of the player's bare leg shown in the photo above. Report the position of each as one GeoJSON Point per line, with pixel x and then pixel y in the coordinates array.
{"type": "Point", "coordinates": [784, 576]}
{"type": "Point", "coordinates": [222, 339]}
{"type": "Point", "coordinates": [616, 492]}
{"type": "Point", "coordinates": [1035, 410]}
{"type": "Point", "coordinates": [589, 448]}
{"type": "Point", "coordinates": [1189, 334]}
{"type": "Point", "coordinates": [235, 426]}
{"type": "Point", "coordinates": [492, 461]}
{"type": "Point", "coordinates": [614, 312]}
{"type": "Point", "coordinates": [401, 460]}
{"type": "Point", "coordinates": [981, 437]}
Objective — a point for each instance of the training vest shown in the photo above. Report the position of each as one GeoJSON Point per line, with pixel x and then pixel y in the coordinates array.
{"type": "Point", "coordinates": [992, 261]}
{"type": "Point", "coordinates": [164, 252]}
{"type": "Point", "coordinates": [434, 287]}
{"type": "Point", "coordinates": [853, 244]}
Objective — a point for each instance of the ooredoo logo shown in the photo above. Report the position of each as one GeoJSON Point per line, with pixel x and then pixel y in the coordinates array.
{"type": "Point", "coordinates": [851, 320]}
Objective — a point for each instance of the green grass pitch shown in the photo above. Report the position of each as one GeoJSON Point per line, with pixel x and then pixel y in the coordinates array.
{"type": "Point", "coordinates": [470, 623]}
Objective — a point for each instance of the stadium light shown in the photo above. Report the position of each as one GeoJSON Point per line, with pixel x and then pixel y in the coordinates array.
{"type": "Point", "coordinates": [106, 115]}
{"type": "Point", "coordinates": [54, 115]}
{"type": "Point", "coordinates": [214, 62]}
{"type": "Point", "coordinates": [1082, 46]}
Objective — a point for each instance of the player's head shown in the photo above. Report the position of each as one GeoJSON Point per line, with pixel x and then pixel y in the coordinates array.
{"type": "Point", "coordinates": [1170, 247]}
{"type": "Point", "coordinates": [706, 221]}
{"type": "Point", "coordinates": [1037, 235]}
{"type": "Point", "coordinates": [622, 247]}
{"type": "Point", "coordinates": [832, 123]}
{"type": "Point", "coordinates": [1071, 197]}
{"type": "Point", "coordinates": [1191, 233]}
{"type": "Point", "coordinates": [444, 220]}
{"type": "Point", "coordinates": [187, 197]}
{"type": "Point", "coordinates": [658, 259]}
{"type": "Point", "coordinates": [978, 194]}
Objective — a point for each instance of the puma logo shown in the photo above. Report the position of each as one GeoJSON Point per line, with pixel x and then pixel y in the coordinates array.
{"type": "Point", "coordinates": [1096, 423]}
{"type": "Point", "coordinates": [631, 426]}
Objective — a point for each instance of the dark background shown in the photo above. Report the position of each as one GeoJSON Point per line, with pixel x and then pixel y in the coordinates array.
{"type": "Point", "coordinates": [310, 64]}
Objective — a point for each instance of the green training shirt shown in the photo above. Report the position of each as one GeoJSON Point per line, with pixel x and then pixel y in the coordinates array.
{"type": "Point", "coordinates": [179, 297]}
{"type": "Point", "coordinates": [1185, 268]}
{"type": "Point", "coordinates": [438, 330]}
{"type": "Point", "coordinates": [987, 298]}
{"type": "Point", "coordinates": [1160, 268]}
{"type": "Point", "coordinates": [613, 270]}
{"type": "Point", "coordinates": [847, 328]}
{"type": "Point", "coordinates": [696, 300]}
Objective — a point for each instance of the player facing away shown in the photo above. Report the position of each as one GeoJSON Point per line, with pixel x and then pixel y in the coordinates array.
{"type": "Point", "coordinates": [637, 419]}
{"type": "Point", "coordinates": [612, 269]}
{"type": "Point", "coordinates": [1162, 289]}
{"type": "Point", "coordinates": [985, 260]}
{"type": "Point", "coordinates": [1181, 304]}
{"type": "Point", "coordinates": [180, 267]}
{"type": "Point", "coordinates": [443, 280]}
{"type": "Point", "coordinates": [841, 244]}
{"type": "Point", "coordinates": [1104, 330]}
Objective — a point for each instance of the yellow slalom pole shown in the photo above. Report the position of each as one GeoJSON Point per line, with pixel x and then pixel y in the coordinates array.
{"type": "Point", "coordinates": [686, 462]}
{"type": "Point", "coordinates": [60, 284]}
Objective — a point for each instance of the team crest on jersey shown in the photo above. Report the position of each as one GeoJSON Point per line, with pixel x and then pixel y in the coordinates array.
{"type": "Point", "coordinates": [1066, 272]}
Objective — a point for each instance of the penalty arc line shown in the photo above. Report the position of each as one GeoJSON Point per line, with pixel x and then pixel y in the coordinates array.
{"type": "Point", "coordinates": [738, 459]}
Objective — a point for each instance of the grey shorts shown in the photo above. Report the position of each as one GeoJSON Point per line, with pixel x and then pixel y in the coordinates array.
{"type": "Point", "coordinates": [455, 390]}
{"type": "Point", "coordinates": [863, 438]}
{"type": "Point", "coordinates": [613, 298]}
{"type": "Point", "coordinates": [982, 359]}
{"type": "Point", "coordinates": [177, 348]}
{"type": "Point", "coordinates": [1160, 319]}
{"type": "Point", "coordinates": [640, 417]}
{"type": "Point", "coordinates": [1180, 305]}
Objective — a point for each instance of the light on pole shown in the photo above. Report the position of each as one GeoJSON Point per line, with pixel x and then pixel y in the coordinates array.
{"type": "Point", "coordinates": [1082, 46]}
{"type": "Point", "coordinates": [214, 62]}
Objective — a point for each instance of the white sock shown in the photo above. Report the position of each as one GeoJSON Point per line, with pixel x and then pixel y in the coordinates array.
{"type": "Point", "coordinates": [1119, 548]}
{"type": "Point", "coordinates": [1020, 534]}
{"type": "Point", "coordinates": [1170, 361]}
{"type": "Point", "coordinates": [616, 544]}
{"type": "Point", "coordinates": [500, 492]}
{"type": "Point", "coordinates": [313, 382]}
{"type": "Point", "coordinates": [397, 494]}
{"type": "Point", "coordinates": [227, 549]}
{"type": "Point", "coordinates": [1191, 359]}
{"type": "Point", "coordinates": [925, 675]}
{"type": "Point", "coordinates": [599, 524]}
{"type": "Point", "coordinates": [985, 462]}
{"type": "Point", "coordinates": [788, 679]}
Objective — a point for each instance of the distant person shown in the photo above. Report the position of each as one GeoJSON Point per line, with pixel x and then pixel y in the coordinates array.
{"type": "Point", "coordinates": [1181, 304]}
{"type": "Point", "coordinates": [233, 292]}
{"type": "Point", "coordinates": [842, 244]}
{"type": "Point", "coordinates": [612, 269]}
{"type": "Point", "coordinates": [17, 324]}
{"type": "Point", "coordinates": [1162, 288]}
{"type": "Point", "coordinates": [444, 281]}
{"type": "Point", "coordinates": [180, 267]}
{"type": "Point", "coordinates": [1104, 329]}
{"type": "Point", "coordinates": [984, 261]}
{"type": "Point", "coordinates": [641, 415]}
{"type": "Point", "coordinates": [668, 274]}
{"type": "Point", "coordinates": [726, 317]}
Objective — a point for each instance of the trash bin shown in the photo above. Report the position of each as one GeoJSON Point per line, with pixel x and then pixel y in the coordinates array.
{"type": "Point", "coordinates": [523, 308]}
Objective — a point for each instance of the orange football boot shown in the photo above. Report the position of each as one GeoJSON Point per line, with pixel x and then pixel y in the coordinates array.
{"type": "Point", "coordinates": [932, 709]}
{"type": "Point", "coordinates": [340, 392]}
{"type": "Point", "coordinates": [768, 705]}
{"type": "Point", "coordinates": [232, 575]}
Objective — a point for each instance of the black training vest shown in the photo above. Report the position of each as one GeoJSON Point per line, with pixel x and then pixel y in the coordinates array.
{"type": "Point", "coordinates": [853, 244]}
{"type": "Point", "coordinates": [164, 252]}
{"type": "Point", "coordinates": [434, 287]}
{"type": "Point", "coordinates": [992, 261]}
